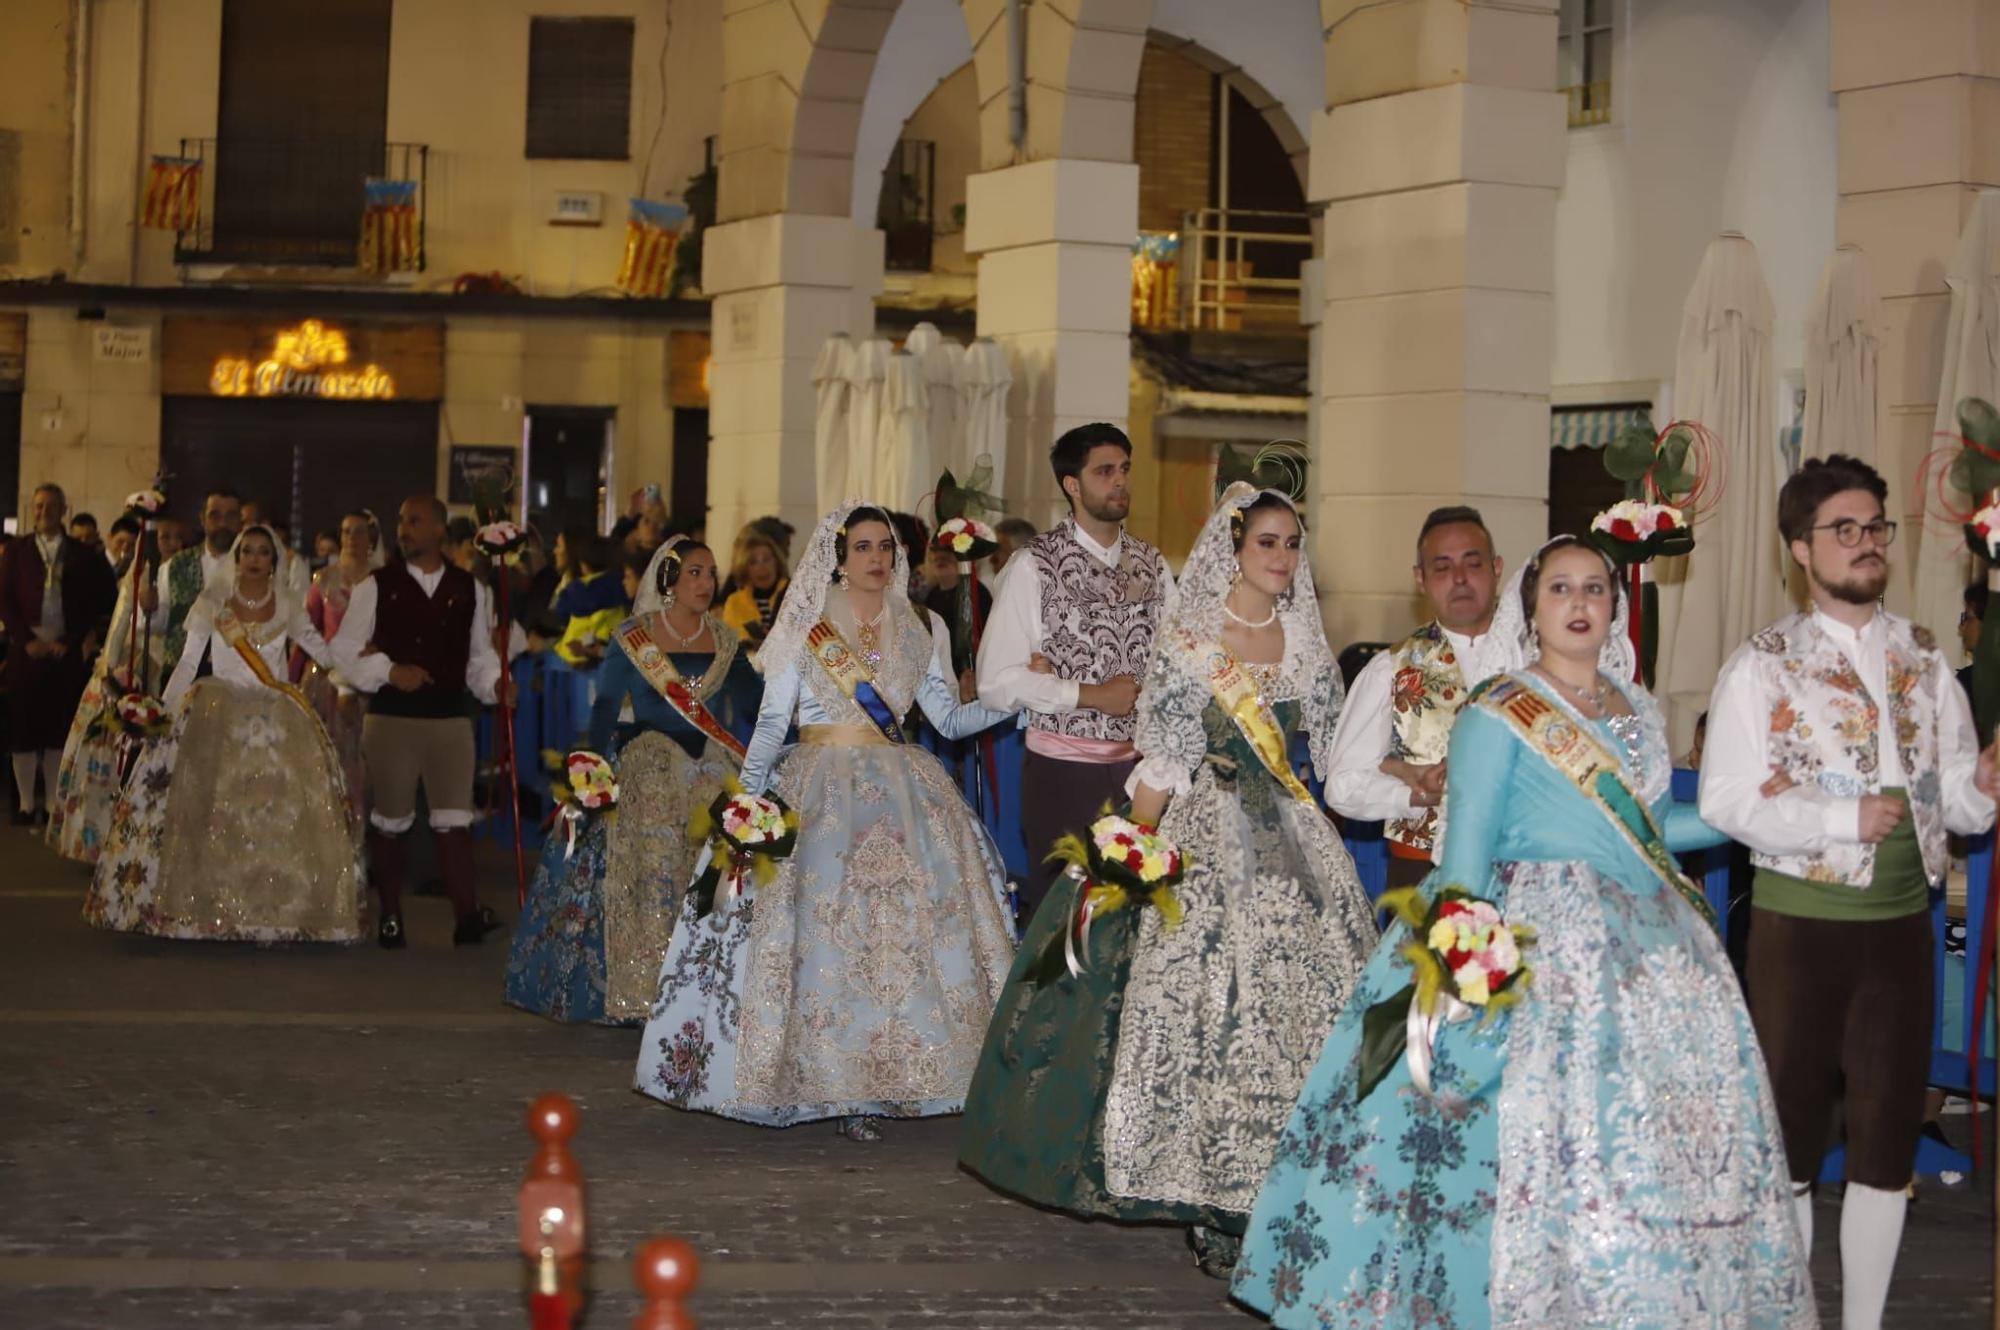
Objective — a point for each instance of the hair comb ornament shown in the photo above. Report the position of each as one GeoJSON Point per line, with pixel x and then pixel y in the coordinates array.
{"type": "Point", "coordinates": [1279, 465]}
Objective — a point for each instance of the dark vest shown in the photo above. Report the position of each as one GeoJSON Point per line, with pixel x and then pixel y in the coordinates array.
{"type": "Point", "coordinates": [435, 632]}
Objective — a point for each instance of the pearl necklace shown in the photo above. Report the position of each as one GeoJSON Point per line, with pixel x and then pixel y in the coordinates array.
{"type": "Point", "coordinates": [1264, 622]}
{"type": "Point", "coordinates": [270, 592]}
{"type": "Point", "coordinates": [667, 623]}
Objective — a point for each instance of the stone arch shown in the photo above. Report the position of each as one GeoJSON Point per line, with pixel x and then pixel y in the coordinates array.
{"type": "Point", "coordinates": [1274, 112]}
{"type": "Point", "coordinates": [1082, 65]}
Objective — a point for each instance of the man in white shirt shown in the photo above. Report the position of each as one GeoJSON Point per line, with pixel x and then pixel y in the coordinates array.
{"type": "Point", "coordinates": [1085, 597]}
{"type": "Point", "coordinates": [1388, 758]}
{"type": "Point", "coordinates": [172, 594]}
{"type": "Point", "coordinates": [1841, 750]}
{"type": "Point", "coordinates": [417, 637]}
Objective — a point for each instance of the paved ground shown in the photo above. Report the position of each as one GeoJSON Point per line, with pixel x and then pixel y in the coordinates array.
{"type": "Point", "coordinates": [225, 1136]}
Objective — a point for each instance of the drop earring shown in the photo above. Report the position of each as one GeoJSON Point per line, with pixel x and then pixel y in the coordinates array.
{"type": "Point", "coordinates": [845, 585]}
{"type": "Point", "coordinates": [667, 598]}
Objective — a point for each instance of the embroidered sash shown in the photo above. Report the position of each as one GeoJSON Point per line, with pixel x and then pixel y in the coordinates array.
{"type": "Point", "coordinates": [847, 670]}
{"type": "Point", "coordinates": [1237, 695]}
{"type": "Point", "coordinates": [1577, 755]}
{"type": "Point", "coordinates": [653, 662]}
{"type": "Point", "coordinates": [232, 631]}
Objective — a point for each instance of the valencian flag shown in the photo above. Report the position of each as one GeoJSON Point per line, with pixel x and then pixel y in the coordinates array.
{"type": "Point", "coordinates": [173, 194]}
{"type": "Point", "coordinates": [651, 232]}
{"type": "Point", "coordinates": [389, 226]}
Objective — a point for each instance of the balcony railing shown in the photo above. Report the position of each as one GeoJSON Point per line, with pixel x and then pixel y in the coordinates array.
{"type": "Point", "coordinates": [292, 201]}
{"type": "Point", "coordinates": [1239, 267]}
{"type": "Point", "coordinates": [1589, 103]}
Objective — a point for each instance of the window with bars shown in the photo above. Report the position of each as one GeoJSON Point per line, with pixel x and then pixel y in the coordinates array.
{"type": "Point", "coordinates": [1584, 57]}
{"type": "Point", "coordinates": [580, 88]}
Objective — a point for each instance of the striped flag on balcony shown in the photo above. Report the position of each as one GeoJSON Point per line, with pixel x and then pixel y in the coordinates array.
{"type": "Point", "coordinates": [651, 232]}
{"type": "Point", "coordinates": [173, 194]}
{"type": "Point", "coordinates": [389, 240]}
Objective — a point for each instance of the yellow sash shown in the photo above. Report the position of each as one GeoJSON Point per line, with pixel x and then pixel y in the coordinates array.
{"type": "Point", "coordinates": [1237, 694]}
{"type": "Point", "coordinates": [231, 630]}
{"type": "Point", "coordinates": [653, 662]}
{"type": "Point", "coordinates": [847, 669]}
{"type": "Point", "coordinates": [1578, 756]}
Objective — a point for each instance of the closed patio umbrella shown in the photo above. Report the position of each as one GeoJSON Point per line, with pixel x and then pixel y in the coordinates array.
{"type": "Point", "coordinates": [833, 394]}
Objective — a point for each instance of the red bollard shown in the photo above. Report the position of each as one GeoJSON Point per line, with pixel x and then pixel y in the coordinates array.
{"type": "Point", "coordinates": [666, 1271]}
{"type": "Point", "coordinates": [550, 1213]}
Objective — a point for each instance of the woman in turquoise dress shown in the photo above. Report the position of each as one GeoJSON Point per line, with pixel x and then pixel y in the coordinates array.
{"type": "Point", "coordinates": [590, 940]}
{"type": "Point", "coordinates": [1604, 1153]}
{"type": "Point", "coordinates": [857, 982]}
{"type": "Point", "coordinates": [1154, 1084]}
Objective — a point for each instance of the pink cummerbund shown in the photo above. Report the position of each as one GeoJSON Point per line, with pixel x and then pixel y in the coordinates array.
{"type": "Point", "coordinates": [1069, 748]}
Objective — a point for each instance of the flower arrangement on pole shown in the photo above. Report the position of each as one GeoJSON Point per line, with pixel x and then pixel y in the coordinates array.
{"type": "Point", "coordinates": [1673, 480]}
{"type": "Point", "coordinates": [505, 544]}
{"type": "Point", "coordinates": [964, 510]}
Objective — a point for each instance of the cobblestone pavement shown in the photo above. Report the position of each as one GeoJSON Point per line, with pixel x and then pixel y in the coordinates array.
{"type": "Point", "coordinates": [295, 1137]}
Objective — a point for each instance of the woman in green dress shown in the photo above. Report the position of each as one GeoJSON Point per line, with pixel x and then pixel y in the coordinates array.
{"type": "Point", "coordinates": [1154, 1085]}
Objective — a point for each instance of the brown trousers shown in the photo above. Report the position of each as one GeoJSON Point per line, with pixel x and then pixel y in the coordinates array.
{"type": "Point", "coordinates": [1058, 797]}
{"type": "Point", "coordinates": [1842, 1010]}
{"type": "Point", "coordinates": [1407, 872]}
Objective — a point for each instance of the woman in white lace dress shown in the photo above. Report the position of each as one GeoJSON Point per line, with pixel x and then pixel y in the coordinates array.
{"type": "Point", "coordinates": [1154, 1085]}
{"type": "Point", "coordinates": [236, 825]}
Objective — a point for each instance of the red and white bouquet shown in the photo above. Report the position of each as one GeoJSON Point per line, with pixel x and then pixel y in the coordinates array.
{"type": "Point", "coordinates": [1631, 531]}
{"type": "Point", "coordinates": [147, 504]}
{"type": "Point", "coordinates": [966, 539]}
{"type": "Point", "coordinates": [142, 716]}
{"type": "Point", "coordinates": [747, 834]}
{"type": "Point", "coordinates": [1982, 533]}
{"type": "Point", "coordinates": [588, 786]}
{"type": "Point", "coordinates": [1122, 863]}
{"type": "Point", "coordinates": [501, 541]}
{"type": "Point", "coordinates": [1467, 958]}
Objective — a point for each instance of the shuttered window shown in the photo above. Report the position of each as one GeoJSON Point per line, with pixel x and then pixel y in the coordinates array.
{"type": "Point", "coordinates": [580, 88]}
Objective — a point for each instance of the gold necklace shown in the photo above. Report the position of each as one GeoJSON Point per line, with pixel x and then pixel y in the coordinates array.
{"type": "Point", "coordinates": [868, 636]}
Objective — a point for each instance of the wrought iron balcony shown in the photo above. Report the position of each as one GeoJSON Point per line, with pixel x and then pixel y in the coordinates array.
{"type": "Point", "coordinates": [292, 201]}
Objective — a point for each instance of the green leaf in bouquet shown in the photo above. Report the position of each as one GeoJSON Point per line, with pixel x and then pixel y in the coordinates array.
{"type": "Point", "coordinates": [950, 499]}
{"type": "Point", "coordinates": [1671, 544]}
{"type": "Point", "coordinates": [1630, 455]}
{"type": "Point", "coordinates": [1384, 1038]}
{"type": "Point", "coordinates": [1979, 422]}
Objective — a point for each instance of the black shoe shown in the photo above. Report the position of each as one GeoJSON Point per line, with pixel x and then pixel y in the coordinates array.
{"type": "Point", "coordinates": [389, 933]}
{"type": "Point", "coordinates": [23, 818]}
{"type": "Point", "coordinates": [471, 931]}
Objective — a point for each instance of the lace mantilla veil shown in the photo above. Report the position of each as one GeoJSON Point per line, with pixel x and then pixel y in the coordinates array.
{"type": "Point", "coordinates": [216, 594]}
{"type": "Point", "coordinates": [812, 596]}
{"type": "Point", "coordinates": [649, 599]}
{"type": "Point", "coordinates": [1616, 660]}
{"type": "Point", "coordinates": [1181, 642]}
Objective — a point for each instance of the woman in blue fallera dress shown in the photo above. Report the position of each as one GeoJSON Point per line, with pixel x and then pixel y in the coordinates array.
{"type": "Point", "coordinates": [1605, 1153]}
{"type": "Point", "coordinates": [590, 940]}
{"type": "Point", "coordinates": [856, 983]}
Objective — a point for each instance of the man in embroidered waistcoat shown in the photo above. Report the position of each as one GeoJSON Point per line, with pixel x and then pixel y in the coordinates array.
{"type": "Point", "coordinates": [1841, 750]}
{"type": "Point", "coordinates": [1085, 598]}
{"type": "Point", "coordinates": [54, 592]}
{"type": "Point", "coordinates": [417, 637]}
{"type": "Point", "coordinates": [1387, 763]}
{"type": "Point", "coordinates": [181, 578]}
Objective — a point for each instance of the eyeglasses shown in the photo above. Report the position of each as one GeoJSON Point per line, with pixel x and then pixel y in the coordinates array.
{"type": "Point", "coordinates": [1849, 532]}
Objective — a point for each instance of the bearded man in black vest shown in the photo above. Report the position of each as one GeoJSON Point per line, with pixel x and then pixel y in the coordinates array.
{"type": "Point", "coordinates": [418, 638]}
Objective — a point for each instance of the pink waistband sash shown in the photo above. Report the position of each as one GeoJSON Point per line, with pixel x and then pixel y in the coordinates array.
{"type": "Point", "coordinates": [1070, 748]}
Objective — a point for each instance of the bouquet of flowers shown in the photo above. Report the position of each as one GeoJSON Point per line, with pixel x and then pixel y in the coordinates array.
{"type": "Point", "coordinates": [747, 834]}
{"type": "Point", "coordinates": [146, 505]}
{"type": "Point", "coordinates": [1982, 533]}
{"type": "Point", "coordinates": [136, 716]}
{"type": "Point", "coordinates": [966, 539]}
{"type": "Point", "coordinates": [1122, 864]}
{"type": "Point", "coordinates": [501, 541]}
{"type": "Point", "coordinates": [585, 785]}
{"type": "Point", "coordinates": [1466, 958]}
{"type": "Point", "coordinates": [1632, 532]}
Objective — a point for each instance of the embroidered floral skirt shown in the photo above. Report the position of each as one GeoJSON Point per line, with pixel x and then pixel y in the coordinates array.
{"type": "Point", "coordinates": [860, 979]}
{"type": "Point", "coordinates": [1155, 1084]}
{"type": "Point", "coordinates": [589, 944]}
{"type": "Point", "coordinates": [1607, 1153]}
{"type": "Point", "coordinates": [87, 785]}
{"type": "Point", "coordinates": [234, 827]}
{"type": "Point", "coordinates": [340, 714]}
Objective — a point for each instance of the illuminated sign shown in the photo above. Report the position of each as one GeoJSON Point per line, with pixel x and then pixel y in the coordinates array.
{"type": "Point", "coordinates": [310, 360]}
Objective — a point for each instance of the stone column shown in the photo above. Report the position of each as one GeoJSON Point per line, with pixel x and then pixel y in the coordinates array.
{"type": "Point", "coordinates": [1054, 240]}
{"type": "Point", "coordinates": [1917, 89]}
{"type": "Point", "coordinates": [780, 285]}
{"type": "Point", "coordinates": [1438, 162]}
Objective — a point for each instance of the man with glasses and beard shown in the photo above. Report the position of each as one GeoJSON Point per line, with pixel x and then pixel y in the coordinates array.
{"type": "Point", "coordinates": [1841, 750]}
{"type": "Point", "coordinates": [1071, 632]}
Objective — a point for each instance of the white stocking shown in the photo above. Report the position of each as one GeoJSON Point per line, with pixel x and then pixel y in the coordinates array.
{"type": "Point", "coordinates": [24, 780]}
{"type": "Point", "coordinates": [1871, 1229]}
{"type": "Point", "coordinates": [1802, 1199]}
